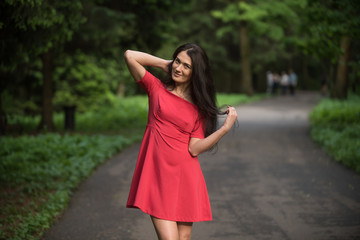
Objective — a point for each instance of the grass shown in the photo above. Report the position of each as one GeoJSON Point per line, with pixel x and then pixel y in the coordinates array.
{"type": "Point", "coordinates": [335, 125]}
{"type": "Point", "coordinates": [224, 99]}
{"type": "Point", "coordinates": [38, 173]}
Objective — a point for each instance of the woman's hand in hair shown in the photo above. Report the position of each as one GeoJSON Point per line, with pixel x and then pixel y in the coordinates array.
{"type": "Point", "coordinates": [198, 146]}
{"type": "Point", "coordinates": [230, 119]}
{"type": "Point", "coordinates": [165, 68]}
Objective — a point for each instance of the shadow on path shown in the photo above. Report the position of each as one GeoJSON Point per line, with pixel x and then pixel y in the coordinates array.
{"type": "Point", "coordinates": [267, 180]}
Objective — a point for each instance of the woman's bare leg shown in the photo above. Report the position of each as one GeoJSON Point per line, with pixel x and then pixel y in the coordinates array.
{"type": "Point", "coordinates": [184, 229]}
{"type": "Point", "coordinates": [165, 230]}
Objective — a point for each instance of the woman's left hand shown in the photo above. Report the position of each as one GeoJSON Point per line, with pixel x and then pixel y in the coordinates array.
{"type": "Point", "coordinates": [230, 119]}
{"type": "Point", "coordinates": [198, 146]}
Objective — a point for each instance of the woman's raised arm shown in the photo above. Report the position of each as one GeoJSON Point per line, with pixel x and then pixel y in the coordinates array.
{"type": "Point", "coordinates": [137, 60]}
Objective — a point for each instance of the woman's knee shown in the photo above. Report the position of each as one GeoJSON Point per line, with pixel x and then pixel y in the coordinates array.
{"type": "Point", "coordinates": [185, 229]}
{"type": "Point", "coordinates": [185, 236]}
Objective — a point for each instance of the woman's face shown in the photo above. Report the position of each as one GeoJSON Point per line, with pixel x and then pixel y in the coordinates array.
{"type": "Point", "coordinates": [182, 68]}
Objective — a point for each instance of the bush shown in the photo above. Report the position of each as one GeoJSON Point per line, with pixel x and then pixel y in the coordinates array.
{"type": "Point", "coordinates": [120, 115]}
{"type": "Point", "coordinates": [335, 125]}
{"type": "Point", "coordinates": [337, 113]}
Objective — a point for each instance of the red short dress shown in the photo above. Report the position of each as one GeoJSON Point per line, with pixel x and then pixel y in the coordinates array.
{"type": "Point", "coordinates": [168, 182]}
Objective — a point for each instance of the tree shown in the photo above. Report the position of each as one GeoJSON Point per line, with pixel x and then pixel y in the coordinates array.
{"type": "Point", "coordinates": [246, 83]}
{"type": "Point", "coordinates": [233, 14]}
{"type": "Point", "coordinates": [35, 28]}
{"type": "Point", "coordinates": [329, 28]}
{"type": "Point", "coordinates": [268, 25]}
{"type": "Point", "coordinates": [342, 68]}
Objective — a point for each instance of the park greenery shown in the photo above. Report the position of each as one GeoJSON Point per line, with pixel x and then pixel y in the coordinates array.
{"type": "Point", "coordinates": [69, 54]}
{"type": "Point", "coordinates": [38, 174]}
{"type": "Point", "coordinates": [336, 126]}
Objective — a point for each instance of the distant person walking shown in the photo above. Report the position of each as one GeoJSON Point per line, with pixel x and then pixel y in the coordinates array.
{"type": "Point", "coordinates": [168, 183]}
{"type": "Point", "coordinates": [284, 82]}
{"type": "Point", "coordinates": [292, 82]}
{"type": "Point", "coordinates": [269, 81]}
{"type": "Point", "coordinates": [276, 81]}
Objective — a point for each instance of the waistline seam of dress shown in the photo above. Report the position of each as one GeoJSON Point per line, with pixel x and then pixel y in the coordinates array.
{"type": "Point", "coordinates": [163, 133]}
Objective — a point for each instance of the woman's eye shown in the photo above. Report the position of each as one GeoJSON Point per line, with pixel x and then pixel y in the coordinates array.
{"type": "Point", "coordinates": [177, 61]}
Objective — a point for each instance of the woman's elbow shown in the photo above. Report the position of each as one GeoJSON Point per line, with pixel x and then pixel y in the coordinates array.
{"type": "Point", "coordinates": [192, 152]}
{"type": "Point", "coordinates": [127, 54]}
{"type": "Point", "coordinates": [130, 59]}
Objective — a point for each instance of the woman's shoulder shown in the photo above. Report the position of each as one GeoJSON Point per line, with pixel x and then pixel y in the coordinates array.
{"type": "Point", "coordinates": [149, 82]}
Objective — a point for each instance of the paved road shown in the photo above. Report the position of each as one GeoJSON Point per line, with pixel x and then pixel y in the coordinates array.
{"type": "Point", "coordinates": [268, 180]}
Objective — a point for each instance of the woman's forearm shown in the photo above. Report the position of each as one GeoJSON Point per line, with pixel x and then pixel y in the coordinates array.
{"type": "Point", "coordinates": [137, 60]}
{"type": "Point", "coordinates": [198, 146]}
{"type": "Point", "coordinates": [145, 59]}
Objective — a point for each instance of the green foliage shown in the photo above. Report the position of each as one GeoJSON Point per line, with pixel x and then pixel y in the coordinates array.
{"type": "Point", "coordinates": [270, 23]}
{"type": "Point", "coordinates": [84, 81]}
{"type": "Point", "coordinates": [236, 99]}
{"type": "Point", "coordinates": [119, 115]}
{"type": "Point", "coordinates": [32, 27]}
{"type": "Point", "coordinates": [122, 115]}
{"type": "Point", "coordinates": [326, 22]}
{"type": "Point", "coordinates": [106, 31]}
{"type": "Point", "coordinates": [337, 113]}
{"type": "Point", "coordinates": [324, 25]}
{"type": "Point", "coordinates": [38, 174]}
{"type": "Point", "coordinates": [336, 126]}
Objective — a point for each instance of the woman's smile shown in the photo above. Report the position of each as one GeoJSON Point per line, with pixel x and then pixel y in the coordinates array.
{"type": "Point", "coordinates": [176, 74]}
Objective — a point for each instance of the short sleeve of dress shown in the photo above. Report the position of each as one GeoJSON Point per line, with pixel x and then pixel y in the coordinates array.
{"type": "Point", "coordinates": [198, 131]}
{"type": "Point", "coordinates": [149, 82]}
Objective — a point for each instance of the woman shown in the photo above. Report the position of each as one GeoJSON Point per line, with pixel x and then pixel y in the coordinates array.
{"type": "Point", "coordinates": [168, 183]}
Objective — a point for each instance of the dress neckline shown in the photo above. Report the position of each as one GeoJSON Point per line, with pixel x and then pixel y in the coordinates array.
{"type": "Point", "coordinates": [167, 90]}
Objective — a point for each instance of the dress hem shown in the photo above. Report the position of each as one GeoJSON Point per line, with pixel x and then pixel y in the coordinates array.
{"type": "Point", "coordinates": [149, 212]}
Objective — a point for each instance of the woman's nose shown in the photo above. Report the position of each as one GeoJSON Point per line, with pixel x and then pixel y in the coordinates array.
{"type": "Point", "coordinates": [178, 67]}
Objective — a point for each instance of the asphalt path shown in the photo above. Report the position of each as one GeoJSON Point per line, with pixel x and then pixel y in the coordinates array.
{"type": "Point", "coordinates": [267, 180]}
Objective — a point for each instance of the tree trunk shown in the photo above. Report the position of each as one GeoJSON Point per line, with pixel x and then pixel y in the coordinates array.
{"type": "Point", "coordinates": [342, 69]}
{"type": "Point", "coordinates": [246, 82]}
{"type": "Point", "coordinates": [261, 85]}
{"type": "Point", "coordinates": [3, 119]}
{"type": "Point", "coordinates": [47, 107]}
{"type": "Point", "coordinates": [305, 73]}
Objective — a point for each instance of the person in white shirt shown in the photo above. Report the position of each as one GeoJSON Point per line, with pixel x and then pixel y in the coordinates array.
{"type": "Point", "coordinates": [270, 82]}
{"type": "Point", "coordinates": [284, 82]}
